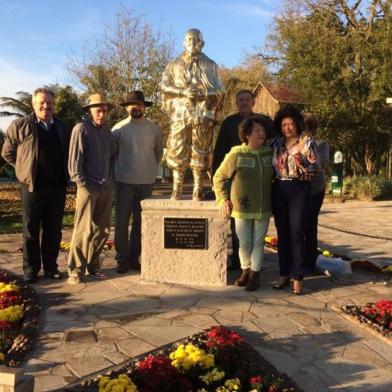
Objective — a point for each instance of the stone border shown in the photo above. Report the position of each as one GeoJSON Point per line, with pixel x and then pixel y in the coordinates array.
{"type": "Point", "coordinates": [368, 327]}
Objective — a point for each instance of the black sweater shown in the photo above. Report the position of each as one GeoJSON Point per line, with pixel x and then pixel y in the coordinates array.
{"type": "Point", "coordinates": [50, 170]}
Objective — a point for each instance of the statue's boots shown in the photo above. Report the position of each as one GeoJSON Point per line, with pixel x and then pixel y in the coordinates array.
{"type": "Point", "coordinates": [197, 185]}
{"type": "Point", "coordinates": [178, 179]}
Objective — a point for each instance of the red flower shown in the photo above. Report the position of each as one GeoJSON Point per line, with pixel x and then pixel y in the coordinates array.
{"type": "Point", "coordinates": [221, 336]}
{"type": "Point", "coordinates": [156, 373]}
{"type": "Point", "coordinates": [256, 380]}
{"type": "Point", "coordinates": [7, 325]}
{"type": "Point", "coordinates": [9, 298]}
{"type": "Point", "coordinates": [272, 388]}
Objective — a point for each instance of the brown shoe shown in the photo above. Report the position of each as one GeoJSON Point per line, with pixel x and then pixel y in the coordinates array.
{"type": "Point", "coordinates": [242, 280]}
{"type": "Point", "coordinates": [253, 281]}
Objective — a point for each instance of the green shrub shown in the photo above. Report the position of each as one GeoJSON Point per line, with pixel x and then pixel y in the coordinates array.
{"type": "Point", "coordinates": [367, 188]}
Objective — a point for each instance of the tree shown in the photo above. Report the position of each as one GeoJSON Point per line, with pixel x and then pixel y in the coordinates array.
{"type": "Point", "coordinates": [18, 107]}
{"type": "Point", "coordinates": [245, 76]}
{"type": "Point", "coordinates": [337, 54]}
{"type": "Point", "coordinates": [67, 104]}
{"type": "Point", "coordinates": [129, 55]}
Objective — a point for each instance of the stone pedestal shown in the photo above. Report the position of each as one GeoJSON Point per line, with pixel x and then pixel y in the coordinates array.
{"type": "Point", "coordinates": [202, 267]}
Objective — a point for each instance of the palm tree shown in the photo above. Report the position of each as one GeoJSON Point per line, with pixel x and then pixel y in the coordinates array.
{"type": "Point", "coordinates": [19, 107]}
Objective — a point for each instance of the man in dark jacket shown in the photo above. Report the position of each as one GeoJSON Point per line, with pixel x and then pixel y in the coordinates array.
{"type": "Point", "coordinates": [37, 146]}
{"type": "Point", "coordinates": [228, 138]}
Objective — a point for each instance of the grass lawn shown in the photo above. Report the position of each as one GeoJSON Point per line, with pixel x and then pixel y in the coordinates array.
{"type": "Point", "coordinates": [11, 217]}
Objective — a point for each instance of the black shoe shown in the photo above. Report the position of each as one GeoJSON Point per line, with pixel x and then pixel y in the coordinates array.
{"type": "Point", "coordinates": [282, 284]}
{"type": "Point", "coordinates": [135, 265]}
{"type": "Point", "coordinates": [30, 278]}
{"type": "Point", "coordinates": [97, 274]}
{"type": "Point", "coordinates": [122, 268]}
{"type": "Point", "coordinates": [53, 274]}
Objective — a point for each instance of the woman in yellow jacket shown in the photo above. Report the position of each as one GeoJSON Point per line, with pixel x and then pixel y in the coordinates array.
{"type": "Point", "coordinates": [249, 168]}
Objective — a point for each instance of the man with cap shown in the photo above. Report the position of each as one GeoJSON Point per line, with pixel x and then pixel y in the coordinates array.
{"type": "Point", "coordinates": [139, 150]}
{"type": "Point", "coordinates": [90, 167]}
{"type": "Point", "coordinates": [37, 146]}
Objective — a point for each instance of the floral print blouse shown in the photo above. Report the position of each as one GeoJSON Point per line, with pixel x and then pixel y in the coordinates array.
{"type": "Point", "coordinates": [300, 161]}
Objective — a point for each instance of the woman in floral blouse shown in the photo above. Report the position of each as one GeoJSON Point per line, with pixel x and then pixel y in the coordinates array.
{"type": "Point", "coordinates": [295, 161]}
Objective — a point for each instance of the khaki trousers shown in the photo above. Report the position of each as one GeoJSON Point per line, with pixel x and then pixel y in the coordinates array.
{"type": "Point", "coordinates": [189, 145]}
{"type": "Point", "coordinates": [91, 229]}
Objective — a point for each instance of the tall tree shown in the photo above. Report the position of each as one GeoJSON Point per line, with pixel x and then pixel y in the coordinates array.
{"type": "Point", "coordinates": [67, 104]}
{"type": "Point", "coordinates": [16, 107]}
{"type": "Point", "coordinates": [337, 53]}
{"type": "Point", "coordinates": [128, 55]}
{"type": "Point", "coordinates": [245, 76]}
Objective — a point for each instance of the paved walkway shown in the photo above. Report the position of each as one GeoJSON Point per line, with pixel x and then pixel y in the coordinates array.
{"type": "Point", "coordinates": [95, 325]}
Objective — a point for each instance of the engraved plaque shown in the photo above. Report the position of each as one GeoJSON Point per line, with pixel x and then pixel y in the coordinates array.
{"type": "Point", "coordinates": [185, 233]}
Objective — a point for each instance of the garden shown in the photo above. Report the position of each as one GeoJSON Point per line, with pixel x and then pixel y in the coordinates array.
{"type": "Point", "coordinates": [19, 316]}
{"type": "Point", "coordinates": [217, 359]}
{"type": "Point", "coordinates": [377, 316]}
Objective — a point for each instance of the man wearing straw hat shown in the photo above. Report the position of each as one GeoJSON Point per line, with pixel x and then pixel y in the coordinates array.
{"type": "Point", "coordinates": [139, 145]}
{"type": "Point", "coordinates": [90, 167]}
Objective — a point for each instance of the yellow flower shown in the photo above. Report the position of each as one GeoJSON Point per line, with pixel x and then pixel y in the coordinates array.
{"type": "Point", "coordinates": [120, 384]}
{"type": "Point", "coordinates": [2, 356]}
{"type": "Point", "coordinates": [12, 313]}
{"type": "Point", "coordinates": [4, 287]}
{"type": "Point", "coordinates": [233, 384]}
{"type": "Point", "coordinates": [212, 376]}
{"type": "Point", "coordinates": [187, 356]}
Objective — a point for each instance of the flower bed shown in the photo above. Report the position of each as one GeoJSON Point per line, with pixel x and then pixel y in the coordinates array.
{"type": "Point", "coordinates": [217, 360]}
{"type": "Point", "coordinates": [19, 312]}
{"type": "Point", "coordinates": [378, 316]}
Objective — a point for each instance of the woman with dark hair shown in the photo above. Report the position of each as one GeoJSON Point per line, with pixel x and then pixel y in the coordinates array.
{"type": "Point", "coordinates": [295, 162]}
{"type": "Point", "coordinates": [249, 166]}
{"type": "Point", "coordinates": [317, 191]}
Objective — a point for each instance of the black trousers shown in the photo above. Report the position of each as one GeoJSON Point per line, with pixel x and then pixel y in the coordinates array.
{"type": "Point", "coordinates": [290, 203]}
{"type": "Point", "coordinates": [311, 253]}
{"type": "Point", "coordinates": [42, 210]}
{"type": "Point", "coordinates": [128, 198]}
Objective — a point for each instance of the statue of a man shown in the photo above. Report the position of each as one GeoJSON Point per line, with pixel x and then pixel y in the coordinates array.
{"type": "Point", "coordinates": [191, 91]}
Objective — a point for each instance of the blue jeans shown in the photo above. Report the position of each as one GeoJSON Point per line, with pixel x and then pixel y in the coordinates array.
{"type": "Point", "coordinates": [251, 233]}
{"type": "Point", "coordinates": [128, 198]}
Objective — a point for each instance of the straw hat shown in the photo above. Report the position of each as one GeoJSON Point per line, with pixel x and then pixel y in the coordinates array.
{"type": "Point", "coordinates": [97, 100]}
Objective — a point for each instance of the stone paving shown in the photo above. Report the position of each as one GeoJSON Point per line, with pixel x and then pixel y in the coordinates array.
{"type": "Point", "coordinates": [95, 325]}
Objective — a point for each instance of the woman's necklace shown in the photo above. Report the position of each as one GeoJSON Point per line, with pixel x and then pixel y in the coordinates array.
{"type": "Point", "coordinates": [290, 143]}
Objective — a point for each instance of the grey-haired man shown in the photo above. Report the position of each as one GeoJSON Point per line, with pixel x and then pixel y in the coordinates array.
{"type": "Point", "coordinates": [37, 146]}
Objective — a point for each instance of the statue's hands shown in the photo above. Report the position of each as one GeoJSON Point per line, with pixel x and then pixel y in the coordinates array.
{"type": "Point", "coordinates": [193, 92]}
{"type": "Point", "coordinates": [207, 123]}
{"type": "Point", "coordinates": [225, 208]}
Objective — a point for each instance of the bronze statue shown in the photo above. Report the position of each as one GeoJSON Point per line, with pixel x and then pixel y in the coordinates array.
{"type": "Point", "coordinates": [191, 91]}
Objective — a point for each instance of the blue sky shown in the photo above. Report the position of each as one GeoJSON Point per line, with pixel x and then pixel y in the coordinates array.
{"type": "Point", "coordinates": [37, 38]}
